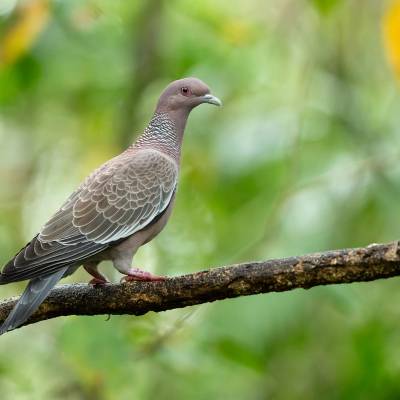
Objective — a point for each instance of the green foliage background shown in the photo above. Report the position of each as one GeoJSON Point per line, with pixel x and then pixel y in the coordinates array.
{"type": "Point", "coordinates": [303, 157]}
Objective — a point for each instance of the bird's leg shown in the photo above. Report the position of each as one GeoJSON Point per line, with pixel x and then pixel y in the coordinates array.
{"type": "Point", "coordinates": [134, 274]}
{"type": "Point", "coordinates": [98, 277]}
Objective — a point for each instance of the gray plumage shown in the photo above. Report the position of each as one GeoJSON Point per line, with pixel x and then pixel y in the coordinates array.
{"type": "Point", "coordinates": [34, 294]}
{"type": "Point", "coordinates": [119, 207]}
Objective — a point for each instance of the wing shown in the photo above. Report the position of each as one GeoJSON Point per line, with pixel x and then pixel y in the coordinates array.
{"type": "Point", "coordinates": [115, 201]}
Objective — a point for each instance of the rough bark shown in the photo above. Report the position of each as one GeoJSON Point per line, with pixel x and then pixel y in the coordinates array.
{"type": "Point", "coordinates": [136, 298]}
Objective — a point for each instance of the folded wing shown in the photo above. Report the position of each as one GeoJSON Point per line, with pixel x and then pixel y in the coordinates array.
{"type": "Point", "coordinates": [120, 198]}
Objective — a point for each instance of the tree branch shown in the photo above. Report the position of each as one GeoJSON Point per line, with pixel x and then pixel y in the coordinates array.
{"type": "Point", "coordinates": [137, 298]}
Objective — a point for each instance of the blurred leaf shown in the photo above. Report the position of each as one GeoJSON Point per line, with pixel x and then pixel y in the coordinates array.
{"type": "Point", "coordinates": [32, 19]}
{"type": "Point", "coordinates": [97, 349]}
{"type": "Point", "coordinates": [325, 6]}
{"type": "Point", "coordinates": [391, 31]}
{"type": "Point", "coordinates": [23, 76]}
{"type": "Point", "coordinates": [235, 351]}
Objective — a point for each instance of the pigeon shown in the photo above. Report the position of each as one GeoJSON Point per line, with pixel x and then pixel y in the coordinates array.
{"type": "Point", "coordinates": [119, 207]}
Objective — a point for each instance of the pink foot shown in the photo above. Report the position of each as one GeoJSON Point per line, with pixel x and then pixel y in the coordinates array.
{"type": "Point", "coordinates": [136, 274]}
{"type": "Point", "coordinates": [98, 282]}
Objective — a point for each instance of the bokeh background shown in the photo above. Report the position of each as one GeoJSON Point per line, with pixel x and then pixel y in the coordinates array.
{"type": "Point", "coordinates": [304, 156]}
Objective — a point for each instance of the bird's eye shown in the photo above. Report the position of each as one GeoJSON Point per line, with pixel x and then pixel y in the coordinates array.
{"type": "Point", "coordinates": [185, 91]}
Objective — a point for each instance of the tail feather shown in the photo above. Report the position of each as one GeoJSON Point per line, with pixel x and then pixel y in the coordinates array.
{"type": "Point", "coordinates": [34, 294]}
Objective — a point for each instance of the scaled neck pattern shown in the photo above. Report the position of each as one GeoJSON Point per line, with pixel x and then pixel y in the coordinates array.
{"type": "Point", "coordinates": [162, 134]}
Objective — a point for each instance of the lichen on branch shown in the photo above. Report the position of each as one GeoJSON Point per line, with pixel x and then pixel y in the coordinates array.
{"type": "Point", "coordinates": [369, 263]}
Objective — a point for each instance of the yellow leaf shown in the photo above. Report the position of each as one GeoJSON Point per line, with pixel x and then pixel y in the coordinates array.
{"type": "Point", "coordinates": [31, 21]}
{"type": "Point", "coordinates": [391, 32]}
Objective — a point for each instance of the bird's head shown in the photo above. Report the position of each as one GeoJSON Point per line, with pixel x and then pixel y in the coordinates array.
{"type": "Point", "coordinates": [185, 94]}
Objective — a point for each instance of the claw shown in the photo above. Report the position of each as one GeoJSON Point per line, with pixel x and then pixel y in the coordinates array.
{"type": "Point", "coordinates": [136, 274]}
{"type": "Point", "coordinates": [98, 282]}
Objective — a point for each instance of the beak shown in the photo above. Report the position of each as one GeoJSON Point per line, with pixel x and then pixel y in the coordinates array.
{"type": "Point", "coordinates": [209, 98]}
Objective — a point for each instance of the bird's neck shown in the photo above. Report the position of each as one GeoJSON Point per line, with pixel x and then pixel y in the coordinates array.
{"type": "Point", "coordinates": [164, 133]}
